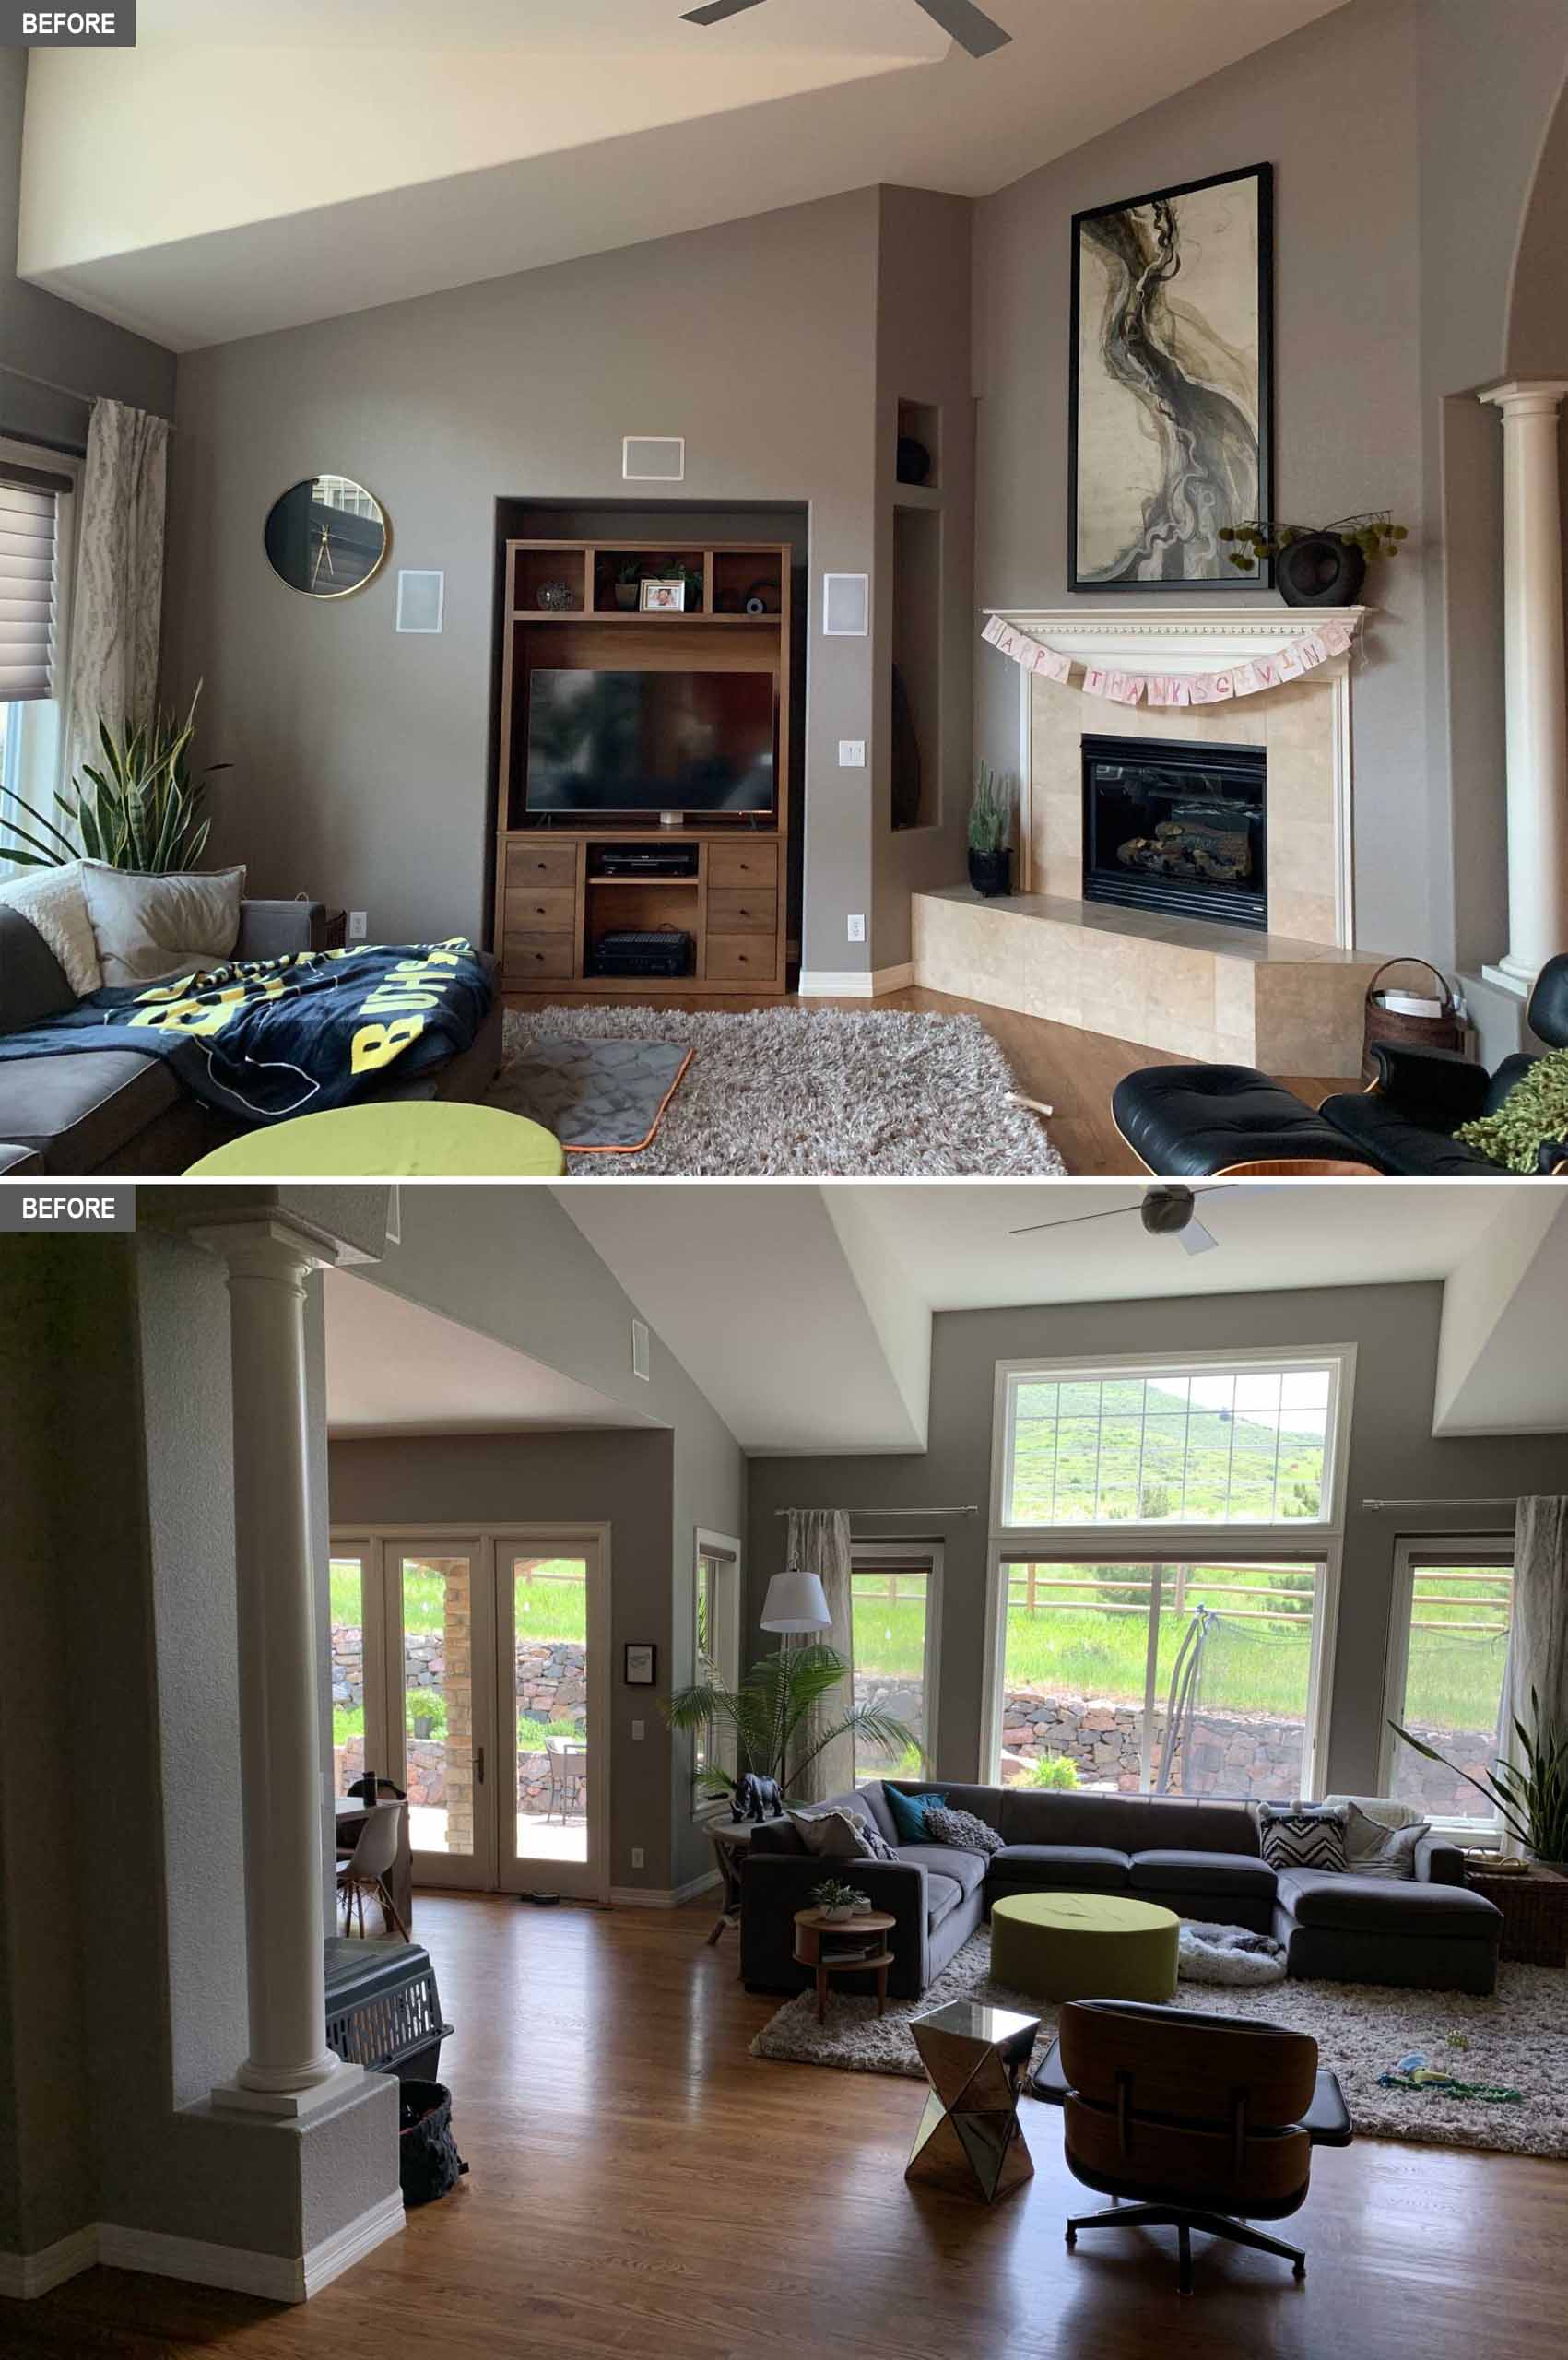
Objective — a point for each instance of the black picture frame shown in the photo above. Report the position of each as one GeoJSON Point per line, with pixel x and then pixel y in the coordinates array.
{"type": "Point", "coordinates": [1181, 585]}
{"type": "Point", "coordinates": [647, 1650]}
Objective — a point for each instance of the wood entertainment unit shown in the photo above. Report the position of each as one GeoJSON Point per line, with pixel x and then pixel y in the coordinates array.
{"type": "Point", "coordinates": [553, 900]}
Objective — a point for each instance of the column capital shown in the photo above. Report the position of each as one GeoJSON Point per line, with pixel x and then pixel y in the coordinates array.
{"type": "Point", "coordinates": [1527, 396]}
{"type": "Point", "coordinates": [263, 1245]}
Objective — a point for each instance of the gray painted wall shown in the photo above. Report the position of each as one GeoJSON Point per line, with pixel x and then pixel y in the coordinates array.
{"type": "Point", "coordinates": [49, 338]}
{"type": "Point", "coordinates": [1393, 1455]}
{"type": "Point", "coordinates": [361, 759]}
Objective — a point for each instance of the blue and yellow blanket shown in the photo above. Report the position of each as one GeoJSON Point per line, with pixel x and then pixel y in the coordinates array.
{"type": "Point", "coordinates": [265, 1039]}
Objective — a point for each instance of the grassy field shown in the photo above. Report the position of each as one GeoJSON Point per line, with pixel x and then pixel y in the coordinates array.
{"type": "Point", "coordinates": [550, 1606]}
{"type": "Point", "coordinates": [1095, 1453]}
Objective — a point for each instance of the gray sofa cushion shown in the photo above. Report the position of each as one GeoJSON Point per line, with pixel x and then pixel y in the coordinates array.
{"type": "Point", "coordinates": [1131, 1823]}
{"type": "Point", "coordinates": [1376, 1905]}
{"type": "Point", "coordinates": [32, 982]}
{"type": "Point", "coordinates": [942, 1896]}
{"type": "Point", "coordinates": [77, 1109]}
{"type": "Point", "coordinates": [966, 1869]}
{"type": "Point", "coordinates": [1060, 1867]}
{"type": "Point", "coordinates": [1217, 1873]}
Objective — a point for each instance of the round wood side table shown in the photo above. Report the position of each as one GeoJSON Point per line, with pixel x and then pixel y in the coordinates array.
{"type": "Point", "coordinates": [815, 1933]}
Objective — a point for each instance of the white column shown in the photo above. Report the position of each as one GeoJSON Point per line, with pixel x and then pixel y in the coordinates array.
{"type": "Point", "coordinates": [289, 2070]}
{"type": "Point", "coordinates": [1538, 682]}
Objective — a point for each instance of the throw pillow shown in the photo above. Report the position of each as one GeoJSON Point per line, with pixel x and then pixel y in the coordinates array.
{"type": "Point", "coordinates": [1372, 1850]}
{"type": "Point", "coordinates": [834, 1834]}
{"type": "Point", "coordinates": [1304, 1836]}
{"type": "Point", "coordinates": [909, 1814]}
{"type": "Point", "coordinates": [52, 900]}
{"type": "Point", "coordinates": [151, 927]}
{"type": "Point", "coordinates": [1533, 1115]}
{"type": "Point", "coordinates": [961, 1828]}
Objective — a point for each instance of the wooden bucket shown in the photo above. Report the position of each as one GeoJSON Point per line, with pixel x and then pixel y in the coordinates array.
{"type": "Point", "coordinates": [1393, 1027]}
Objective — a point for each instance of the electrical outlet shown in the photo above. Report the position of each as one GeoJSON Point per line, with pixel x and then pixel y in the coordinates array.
{"type": "Point", "coordinates": [358, 925]}
{"type": "Point", "coordinates": [637, 1856]}
{"type": "Point", "coordinates": [857, 930]}
{"type": "Point", "coordinates": [637, 1729]}
{"type": "Point", "coordinates": [851, 753]}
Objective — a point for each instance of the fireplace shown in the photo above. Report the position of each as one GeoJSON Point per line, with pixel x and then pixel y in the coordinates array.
{"type": "Point", "coordinates": [1176, 828]}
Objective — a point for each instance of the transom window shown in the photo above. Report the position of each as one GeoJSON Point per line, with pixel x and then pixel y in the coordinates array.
{"type": "Point", "coordinates": [1205, 1441]}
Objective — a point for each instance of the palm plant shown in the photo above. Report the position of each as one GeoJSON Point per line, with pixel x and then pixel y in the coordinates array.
{"type": "Point", "coordinates": [773, 1715]}
{"type": "Point", "coordinates": [142, 810]}
{"type": "Point", "coordinates": [1531, 1795]}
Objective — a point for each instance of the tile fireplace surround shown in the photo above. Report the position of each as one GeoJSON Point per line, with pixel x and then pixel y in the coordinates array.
{"type": "Point", "coordinates": [1289, 1000]}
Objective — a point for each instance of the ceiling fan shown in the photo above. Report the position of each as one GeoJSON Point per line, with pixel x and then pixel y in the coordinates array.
{"type": "Point", "coordinates": [961, 19]}
{"type": "Point", "coordinates": [1169, 1211]}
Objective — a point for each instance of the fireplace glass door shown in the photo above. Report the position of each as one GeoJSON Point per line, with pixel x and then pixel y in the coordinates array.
{"type": "Point", "coordinates": [1176, 829]}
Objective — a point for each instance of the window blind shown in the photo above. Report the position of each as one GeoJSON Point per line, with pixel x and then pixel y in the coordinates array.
{"type": "Point", "coordinates": [30, 502]}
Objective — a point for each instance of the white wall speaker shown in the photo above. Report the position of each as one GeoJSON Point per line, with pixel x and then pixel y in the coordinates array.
{"type": "Point", "coordinates": [653, 458]}
{"type": "Point", "coordinates": [421, 601]}
{"type": "Point", "coordinates": [846, 605]}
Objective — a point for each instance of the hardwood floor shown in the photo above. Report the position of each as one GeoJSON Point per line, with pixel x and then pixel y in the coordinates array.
{"type": "Point", "coordinates": [1074, 1072]}
{"type": "Point", "coordinates": [641, 2185]}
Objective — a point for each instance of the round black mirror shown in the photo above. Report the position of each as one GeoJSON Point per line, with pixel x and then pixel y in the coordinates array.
{"type": "Point", "coordinates": [326, 537]}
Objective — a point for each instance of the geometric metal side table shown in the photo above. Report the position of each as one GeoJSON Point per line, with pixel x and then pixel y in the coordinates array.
{"type": "Point", "coordinates": [969, 2139]}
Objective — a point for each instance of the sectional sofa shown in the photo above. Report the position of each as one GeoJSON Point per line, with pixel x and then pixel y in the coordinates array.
{"type": "Point", "coordinates": [1202, 1859]}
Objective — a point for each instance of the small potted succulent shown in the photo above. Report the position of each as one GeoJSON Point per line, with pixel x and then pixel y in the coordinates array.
{"type": "Point", "coordinates": [839, 1902]}
{"type": "Point", "coordinates": [1316, 565]}
{"type": "Point", "coordinates": [990, 816]}
{"type": "Point", "coordinates": [628, 583]}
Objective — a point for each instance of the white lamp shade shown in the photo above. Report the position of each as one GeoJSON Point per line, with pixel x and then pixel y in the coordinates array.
{"type": "Point", "coordinates": [796, 1601]}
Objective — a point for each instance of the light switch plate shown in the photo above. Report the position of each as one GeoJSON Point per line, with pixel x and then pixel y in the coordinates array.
{"type": "Point", "coordinates": [851, 753]}
{"type": "Point", "coordinates": [637, 1729]}
{"type": "Point", "coordinates": [857, 930]}
{"type": "Point", "coordinates": [358, 925]}
{"type": "Point", "coordinates": [637, 1856]}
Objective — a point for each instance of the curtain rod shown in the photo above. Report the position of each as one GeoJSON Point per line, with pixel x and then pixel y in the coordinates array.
{"type": "Point", "coordinates": [967, 1511]}
{"type": "Point", "coordinates": [49, 386]}
{"type": "Point", "coordinates": [1510, 1501]}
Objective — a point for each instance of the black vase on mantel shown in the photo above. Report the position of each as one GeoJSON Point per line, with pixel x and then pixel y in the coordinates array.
{"type": "Point", "coordinates": [991, 873]}
{"type": "Point", "coordinates": [1320, 570]}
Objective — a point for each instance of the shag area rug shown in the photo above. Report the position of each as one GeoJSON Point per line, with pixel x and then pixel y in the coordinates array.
{"type": "Point", "coordinates": [814, 1092]}
{"type": "Point", "coordinates": [1518, 2039]}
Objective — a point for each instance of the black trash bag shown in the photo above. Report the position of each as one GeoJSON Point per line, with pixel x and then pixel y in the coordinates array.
{"type": "Point", "coordinates": [427, 2162]}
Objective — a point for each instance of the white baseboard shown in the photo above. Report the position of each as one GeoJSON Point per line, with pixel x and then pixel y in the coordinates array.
{"type": "Point", "coordinates": [23, 2275]}
{"type": "Point", "coordinates": [275, 2277]}
{"type": "Point", "coordinates": [642, 1896]}
{"type": "Point", "coordinates": [858, 982]}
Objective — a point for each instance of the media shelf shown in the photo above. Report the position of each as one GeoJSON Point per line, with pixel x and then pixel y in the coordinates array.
{"type": "Point", "coordinates": [551, 905]}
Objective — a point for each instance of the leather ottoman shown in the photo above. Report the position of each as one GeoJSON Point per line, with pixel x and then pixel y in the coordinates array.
{"type": "Point", "coordinates": [1195, 1122]}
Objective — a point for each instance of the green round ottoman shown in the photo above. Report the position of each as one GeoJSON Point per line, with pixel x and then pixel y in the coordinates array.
{"type": "Point", "coordinates": [1084, 1946]}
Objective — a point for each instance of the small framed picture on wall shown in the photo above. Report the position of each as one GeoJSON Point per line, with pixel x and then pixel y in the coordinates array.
{"type": "Point", "coordinates": [641, 1664]}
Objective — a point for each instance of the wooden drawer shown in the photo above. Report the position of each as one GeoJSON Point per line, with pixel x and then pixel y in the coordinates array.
{"type": "Point", "coordinates": [541, 864]}
{"type": "Point", "coordinates": [543, 909]}
{"type": "Point", "coordinates": [547, 955]}
{"type": "Point", "coordinates": [737, 958]}
{"type": "Point", "coordinates": [733, 912]}
{"type": "Point", "coordinates": [744, 864]}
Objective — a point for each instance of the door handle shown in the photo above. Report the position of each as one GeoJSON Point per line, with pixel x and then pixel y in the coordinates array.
{"type": "Point", "coordinates": [478, 1765]}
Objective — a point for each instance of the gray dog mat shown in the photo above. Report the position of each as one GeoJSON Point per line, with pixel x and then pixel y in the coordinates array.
{"type": "Point", "coordinates": [598, 1097]}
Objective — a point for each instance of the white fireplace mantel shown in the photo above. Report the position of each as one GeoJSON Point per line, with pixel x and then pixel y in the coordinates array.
{"type": "Point", "coordinates": [1190, 638]}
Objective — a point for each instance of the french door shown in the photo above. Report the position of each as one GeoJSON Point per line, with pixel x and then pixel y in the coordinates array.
{"type": "Point", "coordinates": [474, 1677]}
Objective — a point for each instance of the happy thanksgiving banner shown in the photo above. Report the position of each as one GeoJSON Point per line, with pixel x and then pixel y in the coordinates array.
{"type": "Point", "coordinates": [1292, 662]}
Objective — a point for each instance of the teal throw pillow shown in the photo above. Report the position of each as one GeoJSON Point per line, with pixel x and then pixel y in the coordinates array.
{"type": "Point", "coordinates": [909, 1814]}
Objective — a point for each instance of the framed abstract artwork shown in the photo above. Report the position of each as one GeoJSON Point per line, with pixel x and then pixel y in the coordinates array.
{"type": "Point", "coordinates": [1170, 435]}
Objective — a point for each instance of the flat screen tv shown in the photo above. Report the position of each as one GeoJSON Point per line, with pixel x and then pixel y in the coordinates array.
{"type": "Point", "coordinates": [693, 742]}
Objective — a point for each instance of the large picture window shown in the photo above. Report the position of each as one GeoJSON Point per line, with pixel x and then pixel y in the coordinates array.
{"type": "Point", "coordinates": [1448, 1654]}
{"type": "Point", "coordinates": [1239, 1443]}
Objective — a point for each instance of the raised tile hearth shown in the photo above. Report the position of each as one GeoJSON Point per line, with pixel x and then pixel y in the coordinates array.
{"type": "Point", "coordinates": [1218, 993]}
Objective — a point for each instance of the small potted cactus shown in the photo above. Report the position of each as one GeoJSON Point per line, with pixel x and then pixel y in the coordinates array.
{"type": "Point", "coordinates": [628, 585]}
{"type": "Point", "coordinates": [990, 817]}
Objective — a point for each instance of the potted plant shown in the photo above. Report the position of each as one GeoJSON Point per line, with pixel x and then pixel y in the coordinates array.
{"type": "Point", "coordinates": [1316, 565]}
{"type": "Point", "coordinates": [773, 1713]}
{"type": "Point", "coordinates": [139, 809]}
{"type": "Point", "coordinates": [627, 583]}
{"type": "Point", "coordinates": [990, 815]}
{"type": "Point", "coordinates": [839, 1902]}
{"type": "Point", "coordinates": [1531, 1795]}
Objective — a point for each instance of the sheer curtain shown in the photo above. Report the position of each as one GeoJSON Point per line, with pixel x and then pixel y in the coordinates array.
{"type": "Point", "coordinates": [818, 1544]}
{"type": "Point", "coordinates": [117, 603]}
{"type": "Point", "coordinates": [1538, 1648]}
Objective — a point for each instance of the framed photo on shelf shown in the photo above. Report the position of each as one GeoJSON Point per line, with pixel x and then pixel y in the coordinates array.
{"type": "Point", "coordinates": [665, 597]}
{"type": "Point", "coordinates": [641, 1665]}
{"type": "Point", "coordinates": [1170, 388]}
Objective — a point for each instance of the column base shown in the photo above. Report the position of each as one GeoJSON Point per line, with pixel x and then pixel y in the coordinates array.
{"type": "Point", "coordinates": [289, 2105]}
{"type": "Point", "coordinates": [1505, 978]}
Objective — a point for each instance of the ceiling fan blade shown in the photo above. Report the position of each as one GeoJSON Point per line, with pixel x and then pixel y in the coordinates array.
{"type": "Point", "coordinates": [1073, 1220]}
{"type": "Point", "coordinates": [717, 11]}
{"type": "Point", "coordinates": [1195, 1239]}
{"type": "Point", "coordinates": [966, 24]}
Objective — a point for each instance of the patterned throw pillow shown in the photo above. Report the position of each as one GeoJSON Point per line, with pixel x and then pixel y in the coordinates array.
{"type": "Point", "coordinates": [963, 1829]}
{"type": "Point", "coordinates": [1372, 1850]}
{"type": "Point", "coordinates": [1307, 1835]}
{"type": "Point", "coordinates": [909, 1814]}
{"type": "Point", "coordinates": [840, 1834]}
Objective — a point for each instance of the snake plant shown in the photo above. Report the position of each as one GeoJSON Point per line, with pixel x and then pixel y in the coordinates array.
{"type": "Point", "coordinates": [139, 808]}
{"type": "Point", "coordinates": [1531, 1795]}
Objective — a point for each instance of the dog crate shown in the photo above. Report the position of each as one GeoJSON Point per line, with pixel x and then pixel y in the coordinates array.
{"type": "Point", "coordinates": [383, 2008]}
